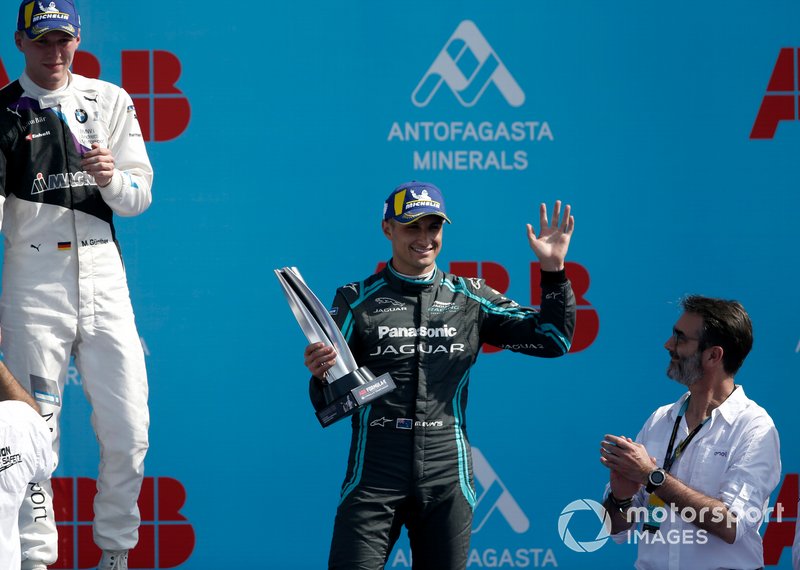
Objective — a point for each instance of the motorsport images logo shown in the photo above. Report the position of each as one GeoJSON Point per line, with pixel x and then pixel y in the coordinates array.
{"type": "Point", "coordinates": [566, 517]}
{"type": "Point", "coordinates": [469, 66]}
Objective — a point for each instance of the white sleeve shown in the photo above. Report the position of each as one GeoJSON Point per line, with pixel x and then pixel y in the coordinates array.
{"type": "Point", "coordinates": [752, 475]}
{"type": "Point", "coordinates": [128, 193]}
{"type": "Point", "coordinates": [43, 444]}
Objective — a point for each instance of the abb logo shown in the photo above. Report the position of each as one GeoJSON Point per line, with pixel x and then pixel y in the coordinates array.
{"type": "Point", "coordinates": [150, 78]}
{"type": "Point", "coordinates": [496, 276]}
{"type": "Point", "coordinates": [587, 323]}
{"type": "Point", "coordinates": [783, 93]}
{"type": "Point", "coordinates": [166, 539]}
{"type": "Point", "coordinates": [779, 533]}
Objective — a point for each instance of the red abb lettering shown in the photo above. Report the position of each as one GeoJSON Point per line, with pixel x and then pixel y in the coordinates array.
{"type": "Point", "coordinates": [779, 533]}
{"type": "Point", "coordinates": [163, 110]}
{"type": "Point", "coordinates": [165, 536]}
{"type": "Point", "coordinates": [86, 64]}
{"type": "Point", "coordinates": [3, 74]}
{"type": "Point", "coordinates": [780, 102]}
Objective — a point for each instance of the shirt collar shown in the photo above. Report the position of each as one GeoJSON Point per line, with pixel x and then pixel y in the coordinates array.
{"type": "Point", "coordinates": [733, 406]}
{"type": "Point", "coordinates": [729, 409]}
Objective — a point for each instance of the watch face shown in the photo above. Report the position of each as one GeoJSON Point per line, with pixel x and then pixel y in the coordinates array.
{"type": "Point", "coordinates": [657, 477]}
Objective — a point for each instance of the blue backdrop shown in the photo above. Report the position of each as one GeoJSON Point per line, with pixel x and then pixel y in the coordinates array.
{"type": "Point", "coordinates": [276, 131]}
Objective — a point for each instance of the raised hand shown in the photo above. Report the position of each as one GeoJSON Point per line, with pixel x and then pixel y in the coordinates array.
{"type": "Point", "coordinates": [552, 243]}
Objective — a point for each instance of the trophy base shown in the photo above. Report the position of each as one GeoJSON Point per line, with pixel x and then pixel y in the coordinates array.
{"type": "Point", "coordinates": [350, 392]}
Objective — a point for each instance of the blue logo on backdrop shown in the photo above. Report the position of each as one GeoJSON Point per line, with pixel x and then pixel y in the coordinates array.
{"type": "Point", "coordinates": [494, 501]}
{"type": "Point", "coordinates": [468, 65]}
{"type": "Point", "coordinates": [495, 497]}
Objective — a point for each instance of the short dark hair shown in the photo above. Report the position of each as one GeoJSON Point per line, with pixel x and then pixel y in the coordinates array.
{"type": "Point", "coordinates": [725, 324]}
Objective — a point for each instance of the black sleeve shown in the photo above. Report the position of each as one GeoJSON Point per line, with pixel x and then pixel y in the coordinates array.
{"type": "Point", "coordinates": [547, 332]}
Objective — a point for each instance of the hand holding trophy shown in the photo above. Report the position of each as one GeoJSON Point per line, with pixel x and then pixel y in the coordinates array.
{"type": "Point", "coordinates": [348, 385]}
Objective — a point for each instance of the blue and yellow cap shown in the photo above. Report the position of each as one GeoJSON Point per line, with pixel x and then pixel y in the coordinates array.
{"type": "Point", "coordinates": [38, 17]}
{"type": "Point", "coordinates": [413, 200]}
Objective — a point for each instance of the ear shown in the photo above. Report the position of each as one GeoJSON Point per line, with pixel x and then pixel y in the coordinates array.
{"type": "Point", "coordinates": [714, 355]}
{"type": "Point", "coordinates": [386, 227]}
{"type": "Point", "coordinates": [18, 40]}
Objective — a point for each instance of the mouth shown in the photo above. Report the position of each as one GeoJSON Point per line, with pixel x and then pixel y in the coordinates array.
{"type": "Point", "coordinates": [422, 250]}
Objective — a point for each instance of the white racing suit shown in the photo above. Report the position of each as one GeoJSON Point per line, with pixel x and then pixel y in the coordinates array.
{"type": "Point", "coordinates": [64, 287]}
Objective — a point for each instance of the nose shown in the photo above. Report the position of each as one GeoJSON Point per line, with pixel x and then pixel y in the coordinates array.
{"type": "Point", "coordinates": [670, 344]}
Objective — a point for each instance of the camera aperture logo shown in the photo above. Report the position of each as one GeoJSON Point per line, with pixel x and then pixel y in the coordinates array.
{"type": "Point", "coordinates": [602, 517]}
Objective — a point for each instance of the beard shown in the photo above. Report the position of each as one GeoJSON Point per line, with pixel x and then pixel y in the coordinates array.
{"type": "Point", "coordinates": [686, 370]}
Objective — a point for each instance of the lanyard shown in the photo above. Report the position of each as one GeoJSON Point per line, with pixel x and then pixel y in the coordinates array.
{"type": "Point", "coordinates": [670, 457]}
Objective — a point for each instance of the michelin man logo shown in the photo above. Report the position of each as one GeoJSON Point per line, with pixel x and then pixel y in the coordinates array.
{"type": "Point", "coordinates": [566, 517]}
{"type": "Point", "coordinates": [467, 64]}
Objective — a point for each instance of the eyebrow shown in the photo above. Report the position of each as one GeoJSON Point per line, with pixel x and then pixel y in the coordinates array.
{"type": "Point", "coordinates": [678, 332]}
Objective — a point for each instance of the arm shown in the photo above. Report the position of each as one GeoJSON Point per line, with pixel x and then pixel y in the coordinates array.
{"type": "Point", "coordinates": [10, 389]}
{"type": "Point", "coordinates": [547, 332]}
{"type": "Point", "coordinates": [122, 171]}
{"type": "Point", "coordinates": [622, 494]}
{"type": "Point", "coordinates": [631, 461]}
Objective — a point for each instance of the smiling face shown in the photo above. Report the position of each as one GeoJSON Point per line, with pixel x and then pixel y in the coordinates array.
{"type": "Point", "coordinates": [47, 60]}
{"type": "Point", "coordinates": [415, 245]}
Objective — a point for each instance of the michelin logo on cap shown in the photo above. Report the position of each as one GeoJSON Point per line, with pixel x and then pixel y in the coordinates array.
{"type": "Point", "coordinates": [37, 19]}
{"type": "Point", "coordinates": [410, 201]}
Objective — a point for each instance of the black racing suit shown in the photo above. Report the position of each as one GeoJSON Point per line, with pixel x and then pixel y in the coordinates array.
{"type": "Point", "coordinates": [410, 461]}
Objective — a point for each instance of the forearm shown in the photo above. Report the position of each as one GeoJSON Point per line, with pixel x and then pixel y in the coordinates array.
{"type": "Point", "coordinates": [557, 308]}
{"type": "Point", "coordinates": [709, 514]}
{"type": "Point", "coordinates": [10, 389]}
{"type": "Point", "coordinates": [617, 514]}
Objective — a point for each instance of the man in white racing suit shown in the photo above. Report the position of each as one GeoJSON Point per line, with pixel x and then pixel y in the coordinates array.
{"type": "Point", "coordinates": [72, 156]}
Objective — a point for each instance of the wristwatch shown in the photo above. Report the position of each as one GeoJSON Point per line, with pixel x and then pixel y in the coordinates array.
{"type": "Point", "coordinates": [655, 479]}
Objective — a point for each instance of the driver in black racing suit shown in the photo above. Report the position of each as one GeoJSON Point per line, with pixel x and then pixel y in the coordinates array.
{"type": "Point", "coordinates": [410, 462]}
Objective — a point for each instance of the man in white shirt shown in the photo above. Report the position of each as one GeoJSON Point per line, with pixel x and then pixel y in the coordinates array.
{"type": "Point", "coordinates": [26, 455]}
{"type": "Point", "coordinates": [700, 473]}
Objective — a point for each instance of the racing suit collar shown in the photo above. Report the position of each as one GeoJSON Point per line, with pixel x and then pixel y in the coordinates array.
{"type": "Point", "coordinates": [402, 283]}
{"type": "Point", "coordinates": [45, 97]}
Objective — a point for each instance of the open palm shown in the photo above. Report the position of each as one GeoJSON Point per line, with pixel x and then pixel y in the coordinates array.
{"type": "Point", "coordinates": [552, 243]}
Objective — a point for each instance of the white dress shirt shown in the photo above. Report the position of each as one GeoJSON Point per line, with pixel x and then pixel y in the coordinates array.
{"type": "Point", "coordinates": [26, 455]}
{"type": "Point", "coordinates": [735, 458]}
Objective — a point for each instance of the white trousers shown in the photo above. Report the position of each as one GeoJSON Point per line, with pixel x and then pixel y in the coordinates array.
{"type": "Point", "coordinates": [37, 343]}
